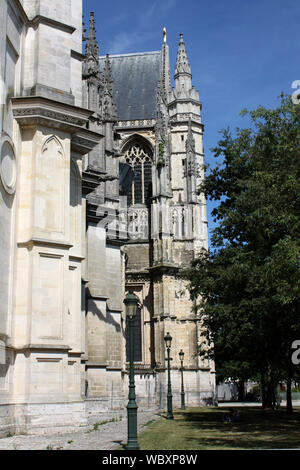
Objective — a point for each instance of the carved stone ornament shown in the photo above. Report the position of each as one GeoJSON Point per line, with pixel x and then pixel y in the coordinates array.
{"type": "Point", "coordinates": [8, 170]}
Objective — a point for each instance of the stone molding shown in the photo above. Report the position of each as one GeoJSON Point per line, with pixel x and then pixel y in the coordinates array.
{"type": "Point", "coordinates": [77, 55]}
{"type": "Point", "coordinates": [137, 123]}
{"type": "Point", "coordinates": [41, 347]}
{"type": "Point", "coordinates": [39, 19]}
{"type": "Point", "coordinates": [44, 242]}
{"type": "Point", "coordinates": [8, 165]}
{"type": "Point", "coordinates": [36, 110]}
{"type": "Point", "coordinates": [184, 117]}
{"type": "Point", "coordinates": [84, 141]}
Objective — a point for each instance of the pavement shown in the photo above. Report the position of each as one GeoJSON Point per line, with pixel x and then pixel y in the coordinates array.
{"type": "Point", "coordinates": [101, 436]}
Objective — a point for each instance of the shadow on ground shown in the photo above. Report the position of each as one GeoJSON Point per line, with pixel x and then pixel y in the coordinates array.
{"type": "Point", "coordinates": [257, 429]}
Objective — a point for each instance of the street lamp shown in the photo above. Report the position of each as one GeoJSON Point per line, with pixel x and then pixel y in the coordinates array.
{"type": "Point", "coordinates": [131, 303]}
{"type": "Point", "coordinates": [181, 356]}
{"type": "Point", "coordinates": [168, 341]}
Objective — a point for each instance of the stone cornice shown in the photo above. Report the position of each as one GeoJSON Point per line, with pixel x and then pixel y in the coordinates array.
{"type": "Point", "coordinates": [164, 267]}
{"type": "Point", "coordinates": [77, 55]}
{"type": "Point", "coordinates": [39, 19]}
{"type": "Point", "coordinates": [84, 140]}
{"type": "Point", "coordinates": [136, 124]}
{"type": "Point", "coordinates": [44, 242]}
{"type": "Point", "coordinates": [186, 99]}
{"type": "Point", "coordinates": [33, 110]}
{"type": "Point", "coordinates": [40, 347]}
{"type": "Point", "coordinates": [76, 258]}
{"type": "Point", "coordinates": [183, 118]}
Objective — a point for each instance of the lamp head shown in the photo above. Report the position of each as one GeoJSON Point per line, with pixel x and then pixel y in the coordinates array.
{"type": "Point", "coordinates": [168, 340]}
{"type": "Point", "coordinates": [131, 303]}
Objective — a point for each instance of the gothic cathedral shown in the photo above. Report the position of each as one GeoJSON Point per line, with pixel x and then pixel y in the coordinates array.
{"type": "Point", "coordinates": [100, 161]}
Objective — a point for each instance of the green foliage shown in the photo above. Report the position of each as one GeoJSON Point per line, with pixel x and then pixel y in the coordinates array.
{"type": "Point", "coordinates": [161, 154]}
{"type": "Point", "coordinates": [247, 288]}
{"type": "Point", "coordinates": [112, 420]}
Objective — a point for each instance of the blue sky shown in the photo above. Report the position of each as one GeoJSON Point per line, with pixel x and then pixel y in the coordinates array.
{"type": "Point", "coordinates": [243, 53]}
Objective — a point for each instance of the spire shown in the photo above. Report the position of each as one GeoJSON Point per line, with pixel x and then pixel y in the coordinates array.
{"type": "Point", "coordinates": [107, 100]}
{"type": "Point", "coordinates": [91, 48]}
{"type": "Point", "coordinates": [91, 68]}
{"type": "Point", "coordinates": [182, 63]}
{"type": "Point", "coordinates": [84, 38]}
{"type": "Point", "coordinates": [91, 59]}
{"type": "Point", "coordinates": [165, 78]}
{"type": "Point", "coordinates": [107, 77]}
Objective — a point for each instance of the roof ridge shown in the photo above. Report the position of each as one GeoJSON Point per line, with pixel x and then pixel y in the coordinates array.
{"type": "Point", "coordinates": [130, 54]}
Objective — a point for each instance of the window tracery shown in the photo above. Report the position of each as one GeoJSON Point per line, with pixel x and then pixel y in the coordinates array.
{"type": "Point", "coordinates": [139, 157]}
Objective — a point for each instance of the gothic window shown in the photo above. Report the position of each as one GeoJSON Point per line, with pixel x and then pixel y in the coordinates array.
{"type": "Point", "coordinates": [138, 156]}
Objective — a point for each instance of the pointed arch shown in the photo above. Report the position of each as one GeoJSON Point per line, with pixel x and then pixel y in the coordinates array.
{"type": "Point", "coordinates": [53, 140]}
{"type": "Point", "coordinates": [137, 138]}
{"type": "Point", "coordinates": [137, 156]}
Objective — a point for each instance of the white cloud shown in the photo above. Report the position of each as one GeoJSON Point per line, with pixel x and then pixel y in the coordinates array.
{"type": "Point", "coordinates": [141, 28]}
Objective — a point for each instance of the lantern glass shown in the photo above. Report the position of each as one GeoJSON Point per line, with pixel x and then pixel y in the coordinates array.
{"type": "Point", "coordinates": [131, 304]}
{"type": "Point", "coordinates": [181, 355]}
{"type": "Point", "coordinates": [168, 340]}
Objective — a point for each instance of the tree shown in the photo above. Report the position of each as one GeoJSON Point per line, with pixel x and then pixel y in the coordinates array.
{"type": "Point", "coordinates": [247, 287]}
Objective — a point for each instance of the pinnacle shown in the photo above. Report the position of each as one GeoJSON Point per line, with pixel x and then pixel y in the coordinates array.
{"type": "Point", "coordinates": [92, 45]}
{"type": "Point", "coordinates": [108, 105]}
{"type": "Point", "coordinates": [107, 74]}
{"type": "Point", "coordinates": [182, 63]}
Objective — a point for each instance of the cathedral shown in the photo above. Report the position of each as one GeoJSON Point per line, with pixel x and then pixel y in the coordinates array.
{"type": "Point", "coordinates": [100, 161]}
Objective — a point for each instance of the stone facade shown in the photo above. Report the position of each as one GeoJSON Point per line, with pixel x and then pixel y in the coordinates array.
{"type": "Point", "coordinates": [69, 248]}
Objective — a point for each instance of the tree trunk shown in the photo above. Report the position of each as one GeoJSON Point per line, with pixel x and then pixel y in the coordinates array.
{"type": "Point", "coordinates": [269, 401]}
{"type": "Point", "coordinates": [289, 404]}
{"type": "Point", "coordinates": [269, 390]}
{"type": "Point", "coordinates": [263, 389]}
{"type": "Point", "coordinates": [241, 390]}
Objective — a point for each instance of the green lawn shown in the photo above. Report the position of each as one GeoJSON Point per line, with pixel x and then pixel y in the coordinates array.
{"type": "Point", "coordinates": [203, 429]}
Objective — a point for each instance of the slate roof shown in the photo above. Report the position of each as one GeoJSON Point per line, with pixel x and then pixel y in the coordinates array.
{"type": "Point", "coordinates": [135, 79]}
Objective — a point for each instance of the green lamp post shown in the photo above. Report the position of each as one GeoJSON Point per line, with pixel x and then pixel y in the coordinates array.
{"type": "Point", "coordinates": [181, 356]}
{"type": "Point", "coordinates": [131, 303]}
{"type": "Point", "coordinates": [168, 341]}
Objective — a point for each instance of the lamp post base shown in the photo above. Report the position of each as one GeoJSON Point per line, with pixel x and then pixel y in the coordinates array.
{"type": "Point", "coordinates": [132, 446]}
{"type": "Point", "coordinates": [182, 402]}
{"type": "Point", "coordinates": [132, 442]}
{"type": "Point", "coordinates": [170, 408]}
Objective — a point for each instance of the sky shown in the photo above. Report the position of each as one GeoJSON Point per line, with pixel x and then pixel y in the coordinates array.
{"type": "Point", "coordinates": [243, 53]}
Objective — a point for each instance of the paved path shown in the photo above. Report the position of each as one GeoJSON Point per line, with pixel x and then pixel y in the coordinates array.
{"type": "Point", "coordinates": [107, 436]}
